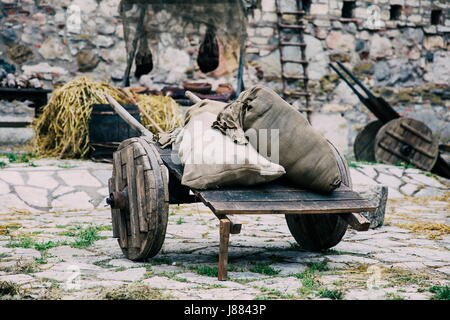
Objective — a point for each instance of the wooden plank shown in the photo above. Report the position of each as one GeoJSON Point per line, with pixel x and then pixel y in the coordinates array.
{"type": "Point", "coordinates": [277, 196]}
{"type": "Point", "coordinates": [224, 234]}
{"type": "Point", "coordinates": [115, 213]}
{"type": "Point", "coordinates": [282, 207]}
{"type": "Point", "coordinates": [141, 203]}
{"type": "Point", "coordinates": [150, 194]}
{"type": "Point", "coordinates": [356, 220]}
{"type": "Point", "coordinates": [119, 185]}
{"type": "Point", "coordinates": [132, 196]}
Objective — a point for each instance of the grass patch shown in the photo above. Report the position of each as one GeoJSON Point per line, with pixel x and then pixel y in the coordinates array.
{"type": "Point", "coordinates": [180, 220]}
{"type": "Point", "coordinates": [25, 242]}
{"type": "Point", "coordinates": [2, 164]}
{"type": "Point", "coordinates": [440, 293]}
{"type": "Point", "coordinates": [264, 269]}
{"type": "Point", "coordinates": [85, 238]}
{"type": "Point", "coordinates": [46, 245]}
{"type": "Point", "coordinates": [135, 291]}
{"type": "Point", "coordinates": [330, 294]}
{"type": "Point", "coordinates": [8, 288]}
{"type": "Point", "coordinates": [318, 266]}
{"type": "Point", "coordinates": [393, 296]}
{"type": "Point", "coordinates": [270, 294]}
{"type": "Point", "coordinates": [103, 263]}
{"type": "Point", "coordinates": [66, 166]}
{"type": "Point", "coordinates": [19, 158]}
{"type": "Point", "coordinates": [206, 270]}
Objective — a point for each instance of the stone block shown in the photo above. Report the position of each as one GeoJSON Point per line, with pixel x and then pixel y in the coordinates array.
{"type": "Point", "coordinates": [377, 195]}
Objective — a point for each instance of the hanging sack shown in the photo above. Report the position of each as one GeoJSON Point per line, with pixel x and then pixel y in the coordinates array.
{"type": "Point", "coordinates": [144, 58]}
{"type": "Point", "coordinates": [208, 55]}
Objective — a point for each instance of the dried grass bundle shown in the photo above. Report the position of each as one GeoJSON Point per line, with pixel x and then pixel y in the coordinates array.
{"type": "Point", "coordinates": [62, 128]}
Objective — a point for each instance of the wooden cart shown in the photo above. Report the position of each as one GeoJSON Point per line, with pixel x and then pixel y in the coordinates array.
{"type": "Point", "coordinates": [146, 179]}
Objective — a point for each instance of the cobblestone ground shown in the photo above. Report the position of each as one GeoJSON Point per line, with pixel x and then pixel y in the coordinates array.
{"type": "Point", "coordinates": [55, 243]}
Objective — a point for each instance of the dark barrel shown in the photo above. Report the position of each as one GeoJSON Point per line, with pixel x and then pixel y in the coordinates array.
{"type": "Point", "coordinates": [107, 130]}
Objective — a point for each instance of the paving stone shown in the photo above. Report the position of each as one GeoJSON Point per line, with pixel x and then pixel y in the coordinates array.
{"type": "Point", "coordinates": [408, 189]}
{"type": "Point", "coordinates": [285, 285]}
{"type": "Point", "coordinates": [102, 175]}
{"type": "Point", "coordinates": [445, 270]}
{"type": "Point", "coordinates": [368, 171]}
{"type": "Point", "coordinates": [245, 275]}
{"type": "Point", "coordinates": [389, 180]}
{"type": "Point", "coordinates": [62, 190]}
{"type": "Point", "coordinates": [33, 196]}
{"type": "Point", "coordinates": [345, 258]}
{"type": "Point", "coordinates": [125, 263]}
{"type": "Point", "coordinates": [79, 178]}
{"type": "Point", "coordinates": [42, 179]}
{"type": "Point", "coordinates": [54, 275]}
{"type": "Point", "coordinates": [133, 274]}
{"type": "Point", "coordinates": [76, 200]}
{"type": "Point", "coordinates": [166, 283]}
{"type": "Point", "coordinates": [196, 278]}
{"type": "Point", "coordinates": [429, 192]}
{"type": "Point", "coordinates": [4, 188]}
{"type": "Point", "coordinates": [11, 177]}
{"type": "Point", "coordinates": [396, 171]}
{"type": "Point", "coordinates": [359, 178]}
{"type": "Point", "coordinates": [68, 253]}
{"type": "Point", "coordinates": [23, 253]}
{"type": "Point", "coordinates": [17, 278]}
{"type": "Point", "coordinates": [426, 180]}
{"type": "Point", "coordinates": [394, 193]}
{"type": "Point", "coordinates": [289, 268]}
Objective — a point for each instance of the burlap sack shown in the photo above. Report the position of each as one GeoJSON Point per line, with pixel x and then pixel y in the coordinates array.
{"type": "Point", "coordinates": [213, 160]}
{"type": "Point", "coordinates": [305, 154]}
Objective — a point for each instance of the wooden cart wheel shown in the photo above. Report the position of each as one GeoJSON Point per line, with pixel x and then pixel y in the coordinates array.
{"type": "Point", "coordinates": [364, 146]}
{"type": "Point", "coordinates": [407, 140]}
{"type": "Point", "coordinates": [317, 232]}
{"type": "Point", "coordinates": [139, 198]}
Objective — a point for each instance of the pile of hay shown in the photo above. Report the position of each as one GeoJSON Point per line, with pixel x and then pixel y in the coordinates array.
{"type": "Point", "coordinates": [62, 128]}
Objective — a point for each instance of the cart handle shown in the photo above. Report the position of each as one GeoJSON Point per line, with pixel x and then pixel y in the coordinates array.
{"type": "Point", "coordinates": [128, 118]}
{"type": "Point", "coordinates": [192, 97]}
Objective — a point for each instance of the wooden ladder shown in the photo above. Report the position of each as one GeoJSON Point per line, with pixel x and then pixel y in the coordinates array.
{"type": "Point", "coordinates": [285, 32]}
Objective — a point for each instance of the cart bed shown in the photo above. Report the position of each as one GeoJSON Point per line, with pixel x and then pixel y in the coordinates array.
{"type": "Point", "coordinates": [277, 197]}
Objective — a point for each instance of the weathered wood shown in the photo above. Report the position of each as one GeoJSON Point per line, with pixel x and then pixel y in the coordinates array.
{"type": "Point", "coordinates": [223, 249]}
{"type": "Point", "coordinates": [357, 221]}
{"type": "Point", "coordinates": [115, 213]}
{"type": "Point", "coordinates": [192, 97]}
{"type": "Point", "coordinates": [141, 200]}
{"type": "Point", "coordinates": [127, 117]}
{"type": "Point", "coordinates": [119, 184]}
{"type": "Point", "coordinates": [407, 140]}
{"type": "Point", "coordinates": [132, 199]}
{"type": "Point", "coordinates": [144, 219]}
{"type": "Point", "coordinates": [292, 207]}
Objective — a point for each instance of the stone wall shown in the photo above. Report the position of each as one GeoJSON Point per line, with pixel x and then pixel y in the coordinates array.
{"type": "Point", "coordinates": [405, 59]}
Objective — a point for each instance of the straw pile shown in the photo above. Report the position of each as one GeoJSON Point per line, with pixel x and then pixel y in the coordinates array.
{"type": "Point", "coordinates": [62, 128]}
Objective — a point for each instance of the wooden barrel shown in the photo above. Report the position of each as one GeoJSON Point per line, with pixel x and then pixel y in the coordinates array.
{"type": "Point", "coordinates": [107, 130]}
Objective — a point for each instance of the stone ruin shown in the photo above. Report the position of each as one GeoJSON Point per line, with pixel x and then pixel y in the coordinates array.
{"type": "Point", "coordinates": [399, 48]}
